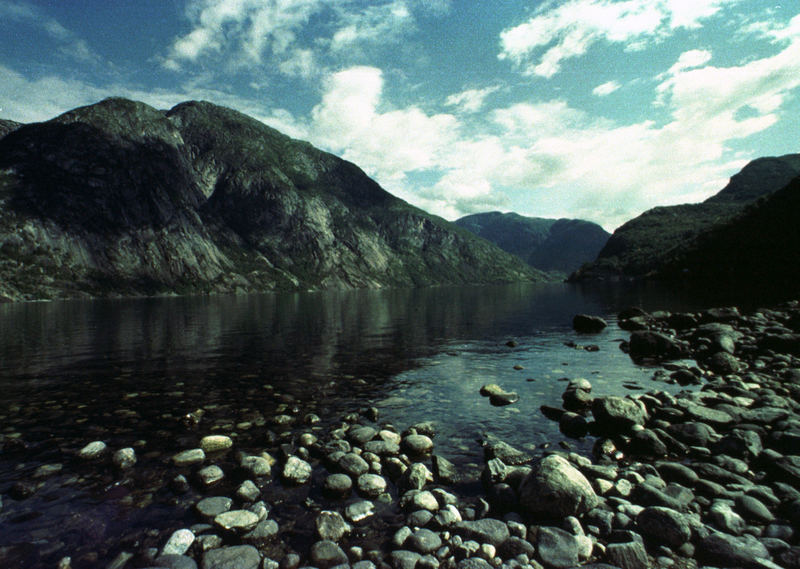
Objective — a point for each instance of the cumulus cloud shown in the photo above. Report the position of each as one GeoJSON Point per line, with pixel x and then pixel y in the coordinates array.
{"type": "Point", "coordinates": [351, 120]}
{"type": "Point", "coordinates": [563, 30]}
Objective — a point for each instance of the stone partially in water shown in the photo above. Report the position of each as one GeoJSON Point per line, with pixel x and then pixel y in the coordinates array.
{"type": "Point", "coordinates": [178, 543]}
{"type": "Point", "coordinates": [93, 450]}
{"type": "Point", "coordinates": [189, 457]}
{"type": "Point", "coordinates": [210, 475]}
{"type": "Point", "coordinates": [417, 444]}
{"type": "Point", "coordinates": [331, 526]}
{"type": "Point", "coordinates": [209, 508]}
{"type": "Point", "coordinates": [296, 471]}
{"type": "Point", "coordinates": [325, 554]}
{"type": "Point", "coordinates": [239, 521]}
{"type": "Point", "coordinates": [215, 443]}
{"type": "Point", "coordinates": [232, 557]}
{"type": "Point", "coordinates": [618, 414]}
{"type": "Point", "coordinates": [124, 458]}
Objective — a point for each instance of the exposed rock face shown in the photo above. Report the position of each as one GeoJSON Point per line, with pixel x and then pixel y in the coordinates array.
{"type": "Point", "coordinates": [121, 198]}
{"type": "Point", "coordinates": [661, 235]}
{"type": "Point", "coordinates": [547, 244]}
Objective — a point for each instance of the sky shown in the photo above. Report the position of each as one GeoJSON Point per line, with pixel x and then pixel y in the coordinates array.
{"type": "Point", "coordinates": [591, 109]}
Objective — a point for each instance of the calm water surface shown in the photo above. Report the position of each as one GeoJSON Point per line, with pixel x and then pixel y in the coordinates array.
{"type": "Point", "coordinates": [127, 371]}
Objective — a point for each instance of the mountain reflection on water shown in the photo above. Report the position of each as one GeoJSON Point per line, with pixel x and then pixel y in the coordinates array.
{"type": "Point", "coordinates": [127, 371]}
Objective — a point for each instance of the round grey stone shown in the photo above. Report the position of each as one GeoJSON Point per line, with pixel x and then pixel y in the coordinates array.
{"type": "Point", "coordinates": [371, 485]}
{"type": "Point", "coordinates": [417, 444]}
{"type": "Point", "coordinates": [353, 464]}
{"type": "Point", "coordinates": [424, 541]}
{"type": "Point", "coordinates": [210, 474]}
{"type": "Point", "coordinates": [93, 450]}
{"type": "Point", "coordinates": [338, 485]}
{"type": "Point", "coordinates": [326, 554]}
{"type": "Point", "coordinates": [209, 508]}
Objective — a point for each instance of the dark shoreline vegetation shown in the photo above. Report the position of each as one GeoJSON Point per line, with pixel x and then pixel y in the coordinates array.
{"type": "Point", "coordinates": [708, 477]}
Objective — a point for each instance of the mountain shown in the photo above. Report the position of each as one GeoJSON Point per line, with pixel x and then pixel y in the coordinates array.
{"type": "Point", "coordinates": [757, 253]}
{"type": "Point", "coordinates": [119, 198]}
{"type": "Point", "coordinates": [560, 245]}
{"type": "Point", "coordinates": [644, 244]}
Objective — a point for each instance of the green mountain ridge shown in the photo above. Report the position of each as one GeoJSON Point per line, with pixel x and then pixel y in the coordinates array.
{"type": "Point", "coordinates": [119, 198]}
{"type": "Point", "coordinates": [560, 245]}
{"type": "Point", "coordinates": [641, 247]}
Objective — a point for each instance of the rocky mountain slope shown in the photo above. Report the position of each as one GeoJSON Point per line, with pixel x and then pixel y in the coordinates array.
{"type": "Point", "coordinates": [560, 245]}
{"type": "Point", "coordinates": [119, 198]}
{"type": "Point", "coordinates": [643, 245]}
{"type": "Point", "coordinates": [757, 253]}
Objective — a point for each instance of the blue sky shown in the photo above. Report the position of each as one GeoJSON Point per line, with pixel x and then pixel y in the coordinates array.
{"type": "Point", "coordinates": [596, 109]}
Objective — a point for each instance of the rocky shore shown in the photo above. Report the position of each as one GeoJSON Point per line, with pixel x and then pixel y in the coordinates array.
{"type": "Point", "coordinates": [709, 477]}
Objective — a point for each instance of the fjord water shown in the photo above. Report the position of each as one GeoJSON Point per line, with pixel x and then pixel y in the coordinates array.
{"type": "Point", "coordinates": [128, 371]}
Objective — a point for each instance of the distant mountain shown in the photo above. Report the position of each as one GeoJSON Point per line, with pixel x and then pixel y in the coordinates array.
{"type": "Point", "coordinates": [119, 198]}
{"type": "Point", "coordinates": [643, 245]}
{"type": "Point", "coordinates": [757, 252]}
{"type": "Point", "coordinates": [560, 245]}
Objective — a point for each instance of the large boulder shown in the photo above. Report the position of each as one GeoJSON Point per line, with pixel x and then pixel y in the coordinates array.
{"type": "Point", "coordinates": [556, 488]}
{"type": "Point", "coordinates": [586, 324]}
{"type": "Point", "coordinates": [645, 344]}
{"type": "Point", "coordinates": [618, 414]}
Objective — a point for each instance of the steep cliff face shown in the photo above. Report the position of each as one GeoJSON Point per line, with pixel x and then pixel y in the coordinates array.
{"type": "Point", "coordinates": [643, 245]}
{"type": "Point", "coordinates": [560, 245]}
{"type": "Point", "coordinates": [119, 198]}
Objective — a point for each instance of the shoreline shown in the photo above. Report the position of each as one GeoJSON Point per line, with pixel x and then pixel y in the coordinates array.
{"type": "Point", "coordinates": [656, 492]}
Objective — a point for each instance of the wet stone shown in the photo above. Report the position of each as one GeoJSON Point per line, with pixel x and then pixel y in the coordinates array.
{"type": "Point", "coordinates": [210, 475]}
{"type": "Point", "coordinates": [630, 555]}
{"type": "Point", "coordinates": [338, 485]}
{"type": "Point", "coordinates": [753, 510]}
{"type": "Point", "coordinates": [256, 465]}
{"type": "Point", "coordinates": [326, 554]}
{"type": "Point", "coordinates": [296, 470]}
{"type": "Point", "coordinates": [331, 526]}
{"type": "Point", "coordinates": [233, 557]}
{"type": "Point", "coordinates": [93, 450]}
{"type": "Point", "coordinates": [189, 457]}
{"type": "Point", "coordinates": [371, 485]}
{"type": "Point", "coordinates": [424, 541]}
{"type": "Point", "coordinates": [209, 508]}
{"type": "Point", "coordinates": [417, 444]}
{"type": "Point", "coordinates": [215, 443]}
{"type": "Point", "coordinates": [178, 543]}
{"type": "Point", "coordinates": [353, 464]}
{"type": "Point", "coordinates": [557, 548]}
{"type": "Point", "coordinates": [124, 458]}
{"type": "Point", "coordinates": [237, 520]}
{"type": "Point", "coordinates": [248, 491]}
{"type": "Point", "coordinates": [263, 534]}
{"type": "Point", "coordinates": [358, 511]}
{"type": "Point", "coordinates": [174, 561]}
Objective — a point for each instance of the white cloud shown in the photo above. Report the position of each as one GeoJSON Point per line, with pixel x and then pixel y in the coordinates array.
{"type": "Point", "coordinates": [563, 30]}
{"type": "Point", "coordinates": [374, 23]}
{"type": "Point", "coordinates": [471, 100]}
{"type": "Point", "coordinates": [690, 59]}
{"type": "Point", "coordinates": [606, 88]}
{"type": "Point", "coordinates": [249, 28]}
{"type": "Point", "coordinates": [387, 143]}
